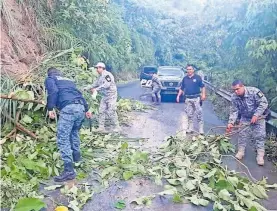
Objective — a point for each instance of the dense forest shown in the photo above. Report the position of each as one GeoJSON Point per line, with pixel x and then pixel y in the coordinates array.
{"type": "Point", "coordinates": [226, 39]}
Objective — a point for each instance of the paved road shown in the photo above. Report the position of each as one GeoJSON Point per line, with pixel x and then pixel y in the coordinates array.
{"type": "Point", "coordinates": [156, 125]}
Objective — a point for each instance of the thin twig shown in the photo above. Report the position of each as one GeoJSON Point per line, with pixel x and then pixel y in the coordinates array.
{"type": "Point", "coordinates": [253, 178]}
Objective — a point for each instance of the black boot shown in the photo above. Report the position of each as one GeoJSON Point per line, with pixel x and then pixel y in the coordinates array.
{"type": "Point", "coordinates": [67, 174]}
{"type": "Point", "coordinates": [76, 157]}
{"type": "Point", "coordinates": [153, 99]}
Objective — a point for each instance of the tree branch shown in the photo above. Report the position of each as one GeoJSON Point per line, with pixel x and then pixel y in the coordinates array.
{"type": "Point", "coordinates": [22, 100]}
{"type": "Point", "coordinates": [21, 127]}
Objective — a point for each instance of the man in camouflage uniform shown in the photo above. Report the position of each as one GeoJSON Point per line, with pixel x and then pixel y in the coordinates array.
{"type": "Point", "coordinates": [156, 89]}
{"type": "Point", "coordinates": [251, 104]}
{"type": "Point", "coordinates": [194, 89]}
{"type": "Point", "coordinates": [63, 94]}
{"type": "Point", "coordinates": [105, 84]}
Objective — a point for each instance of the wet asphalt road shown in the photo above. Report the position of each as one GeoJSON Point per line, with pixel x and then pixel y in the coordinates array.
{"type": "Point", "coordinates": [156, 125]}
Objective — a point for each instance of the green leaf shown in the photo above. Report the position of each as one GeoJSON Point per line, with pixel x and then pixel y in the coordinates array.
{"type": "Point", "coordinates": [233, 180]}
{"type": "Point", "coordinates": [30, 106]}
{"type": "Point", "coordinates": [203, 202]}
{"type": "Point", "coordinates": [26, 119]}
{"type": "Point", "coordinates": [166, 170]}
{"type": "Point", "coordinates": [29, 204]}
{"type": "Point", "coordinates": [181, 173]}
{"type": "Point", "coordinates": [39, 106]}
{"type": "Point", "coordinates": [127, 175]}
{"type": "Point", "coordinates": [258, 191]}
{"type": "Point", "coordinates": [124, 146]}
{"type": "Point", "coordinates": [219, 206]}
{"type": "Point", "coordinates": [109, 170]}
{"type": "Point", "coordinates": [31, 95]}
{"type": "Point", "coordinates": [120, 204]}
{"type": "Point", "coordinates": [139, 156]}
{"type": "Point", "coordinates": [244, 193]}
{"type": "Point", "coordinates": [177, 198]}
{"type": "Point", "coordinates": [212, 182]}
{"type": "Point", "coordinates": [198, 201]}
{"type": "Point", "coordinates": [74, 205]}
{"type": "Point", "coordinates": [22, 94]}
{"type": "Point", "coordinates": [56, 171]}
{"type": "Point", "coordinates": [211, 173]}
{"type": "Point", "coordinates": [237, 207]}
{"type": "Point", "coordinates": [21, 105]}
{"type": "Point", "coordinates": [225, 195]}
{"type": "Point", "coordinates": [217, 160]}
{"type": "Point", "coordinates": [191, 184]}
{"type": "Point", "coordinates": [10, 160]}
{"type": "Point", "coordinates": [223, 184]}
{"type": "Point", "coordinates": [249, 203]}
{"type": "Point", "coordinates": [179, 163]}
{"type": "Point", "coordinates": [173, 181]}
{"type": "Point", "coordinates": [193, 199]}
{"type": "Point", "coordinates": [226, 146]}
{"type": "Point", "coordinates": [158, 180]}
{"type": "Point", "coordinates": [253, 209]}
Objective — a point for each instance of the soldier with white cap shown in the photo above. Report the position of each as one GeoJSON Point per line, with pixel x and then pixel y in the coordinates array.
{"type": "Point", "coordinates": [105, 84]}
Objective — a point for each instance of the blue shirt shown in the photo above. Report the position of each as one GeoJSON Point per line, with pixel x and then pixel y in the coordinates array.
{"type": "Point", "coordinates": [193, 85]}
{"type": "Point", "coordinates": [61, 92]}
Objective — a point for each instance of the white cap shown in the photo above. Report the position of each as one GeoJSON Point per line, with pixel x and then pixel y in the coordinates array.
{"type": "Point", "coordinates": [100, 64]}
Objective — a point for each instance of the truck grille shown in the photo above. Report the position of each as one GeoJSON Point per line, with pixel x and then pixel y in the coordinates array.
{"type": "Point", "coordinates": [170, 84]}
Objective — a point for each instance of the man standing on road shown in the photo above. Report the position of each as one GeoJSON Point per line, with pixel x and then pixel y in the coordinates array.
{"type": "Point", "coordinates": [156, 87]}
{"type": "Point", "coordinates": [63, 94]}
{"type": "Point", "coordinates": [106, 85]}
{"type": "Point", "coordinates": [194, 89]}
{"type": "Point", "coordinates": [251, 104]}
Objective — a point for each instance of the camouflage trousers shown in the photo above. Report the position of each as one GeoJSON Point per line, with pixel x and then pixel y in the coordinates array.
{"type": "Point", "coordinates": [69, 124]}
{"type": "Point", "coordinates": [193, 108]}
{"type": "Point", "coordinates": [255, 132]}
{"type": "Point", "coordinates": [156, 92]}
{"type": "Point", "coordinates": [107, 111]}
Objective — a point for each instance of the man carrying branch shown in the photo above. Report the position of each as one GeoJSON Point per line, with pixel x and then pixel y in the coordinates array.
{"type": "Point", "coordinates": [251, 104]}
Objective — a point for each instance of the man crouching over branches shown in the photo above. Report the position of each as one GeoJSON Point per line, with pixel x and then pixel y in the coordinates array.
{"type": "Point", "coordinates": [251, 104]}
{"type": "Point", "coordinates": [63, 94]}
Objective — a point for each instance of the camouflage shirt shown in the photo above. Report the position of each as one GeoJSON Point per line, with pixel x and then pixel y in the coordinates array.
{"type": "Point", "coordinates": [156, 81]}
{"type": "Point", "coordinates": [252, 103]}
{"type": "Point", "coordinates": [105, 84]}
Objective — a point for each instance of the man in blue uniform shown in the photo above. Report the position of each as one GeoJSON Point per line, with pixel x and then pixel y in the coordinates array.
{"type": "Point", "coordinates": [194, 89]}
{"type": "Point", "coordinates": [63, 95]}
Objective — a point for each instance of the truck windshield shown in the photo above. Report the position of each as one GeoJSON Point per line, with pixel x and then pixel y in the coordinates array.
{"type": "Point", "coordinates": [171, 72]}
{"type": "Point", "coordinates": [149, 70]}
